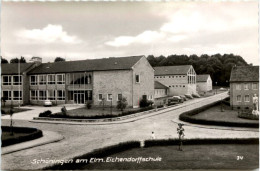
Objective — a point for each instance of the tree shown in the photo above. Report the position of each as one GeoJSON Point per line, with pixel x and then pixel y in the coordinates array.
{"type": "Point", "coordinates": [16, 60]}
{"type": "Point", "coordinates": [121, 104]}
{"type": "Point", "coordinates": [59, 59]}
{"type": "Point", "coordinates": [4, 61]}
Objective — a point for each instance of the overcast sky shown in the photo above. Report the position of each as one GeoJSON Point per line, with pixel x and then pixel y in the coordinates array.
{"type": "Point", "coordinates": [87, 30]}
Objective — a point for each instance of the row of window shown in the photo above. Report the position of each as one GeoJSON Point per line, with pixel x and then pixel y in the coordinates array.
{"type": "Point", "coordinates": [246, 98]}
{"type": "Point", "coordinates": [12, 80]}
{"type": "Point", "coordinates": [247, 86]}
{"type": "Point", "coordinates": [170, 76]}
{"type": "Point", "coordinates": [12, 95]}
{"type": "Point", "coordinates": [47, 79]}
{"type": "Point", "coordinates": [47, 94]}
{"type": "Point", "coordinates": [109, 97]}
{"type": "Point", "coordinates": [160, 92]}
{"type": "Point", "coordinates": [177, 86]}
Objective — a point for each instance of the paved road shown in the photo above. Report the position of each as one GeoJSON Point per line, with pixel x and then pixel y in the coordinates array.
{"type": "Point", "coordinates": [80, 139]}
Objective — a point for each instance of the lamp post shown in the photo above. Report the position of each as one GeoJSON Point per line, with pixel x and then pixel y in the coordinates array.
{"type": "Point", "coordinates": [111, 105]}
{"type": "Point", "coordinates": [216, 87]}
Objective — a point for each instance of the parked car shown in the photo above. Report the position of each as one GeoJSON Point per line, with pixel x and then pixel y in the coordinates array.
{"type": "Point", "coordinates": [184, 98]}
{"type": "Point", "coordinates": [47, 103]}
{"type": "Point", "coordinates": [195, 95]}
{"type": "Point", "coordinates": [175, 100]}
{"type": "Point", "coordinates": [188, 96]}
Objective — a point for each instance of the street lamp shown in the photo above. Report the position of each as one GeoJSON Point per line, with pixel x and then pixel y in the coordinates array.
{"type": "Point", "coordinates": [216, 87]}
{"type": "Point", "coordinates": [111, 105]}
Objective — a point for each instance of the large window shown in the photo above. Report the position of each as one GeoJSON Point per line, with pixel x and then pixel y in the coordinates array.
{"type": "Point", "coordinates": [60, 95]}
{"type": "Point", "coordinates": [51, 79]}
{"type": "Point", "coordinates": [34, 94]}
{"type": "Point", "coordinates": [246, 86]}
{"type": "Point", "coordinates": [42, 94]}
{"type": "Point", "coordinates": [7, 95]}
{"type": "Point", "coordinates": [239, 98]}
{"type": "Point", "coordinates": [34, 79]}
{"type": "Point", "coordinates": [42, 79]}
{"type": "Point", "coordinates": [238, 86]}
{"type": "Point", "coordinates": [254, 86]}
{"type": "Point", "coordinates": [246, 98]}
{"type": "Point", "coordinates": [17, 80]}
{"type": "Point", "coordinates": [51, 94]}
{"type": "Point", "coordinates": [17, 95]}
{"type": "Point", "coordinates": [60, 79]}
{"type": "Point", "coordinates": [7, 80]}
{"type": "Point", "coordinates": [137, 78]}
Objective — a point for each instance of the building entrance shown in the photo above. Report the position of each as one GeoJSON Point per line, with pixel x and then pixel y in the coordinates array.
{"type": "Point", "coordinates": [79, 98]}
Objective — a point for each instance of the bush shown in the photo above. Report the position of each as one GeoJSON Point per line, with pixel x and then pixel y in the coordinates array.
{"type": "Point", "coordinates": [89, 105]}
{"type": "Point", "coordinates": [46, 113]}
{"type": "Point", "coordinates": [64, 110]}
{"type": "Point", "coordinates": [248, 116]}
{"type": "Point", "coordinates": [3, 112]}
{"type": "Point", "coordinates": [121, 104]}
{"type": "Point", "coordinates": [145, 103]}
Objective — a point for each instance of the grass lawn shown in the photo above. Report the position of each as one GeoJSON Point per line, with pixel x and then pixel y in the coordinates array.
{"type": "Point", "coordinates": [193, 157]}
{"type": "Point", "coordinates": [229, 115]}
{"type": "Point", "coordinates": [15, 109]}
{"type": "Point", "coordinates": [7, 135]}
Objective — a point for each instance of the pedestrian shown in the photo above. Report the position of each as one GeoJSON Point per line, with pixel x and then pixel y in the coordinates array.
{"type": "Point", "coordinates": [180, 131]}
{"type": "Point", "coordinates": [152, 136]}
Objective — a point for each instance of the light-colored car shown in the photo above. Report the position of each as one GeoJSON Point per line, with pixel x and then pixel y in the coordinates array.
{"type": "Point", "coordinates": [188, 96]}
{"type": "Point", "coordinates": [47, 103]}
{"type": "Point", "coordinates": [196, 95]}
{"type": "Point", "coordinates": [184, 98]}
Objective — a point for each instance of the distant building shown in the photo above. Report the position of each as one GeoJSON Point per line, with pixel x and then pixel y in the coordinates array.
{"type": "Point", "coordinates": [244, 83]}
{"type": "Point", "coordinates": [98, 81]}
{"type": "Point", "coordinates": [179, 79]}
{"type": "Point", "coordinates": [160, 90]}
{"type": "Point", "coordinates": [15, 83]}
{"type": "Point", "coordinates": [204, 83]}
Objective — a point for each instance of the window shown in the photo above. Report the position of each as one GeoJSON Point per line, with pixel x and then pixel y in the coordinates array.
{"type": "Point", "coordinates": [7, 95]}
{"type": "Point", "coordinates": [119, 97]}
{"type": "Point", "coordinates": [169, 86]}
{"type": "Point", "coordinates": [150, 97]}
{"type": "Point", "coordinates": [34, 79]}
{"type": "Point", "coordinates": [51, 79]}
{"type": "Point", "coordinates": [17, 95]}
{"type": "Point", "coordinates": [17, 80]}
{"type": "Point", "coordinates": [254, 86]}
{"type": "Point", "coordinates": [42, 79]}
{"type": "Point", "coordinates": [137, 78]}
{"type": "Point", "coordinates": [100, 97]}
{"type": "Point", "coordinates": [239, 98]}
{"type": "Point", "coordinates": [34, 95]}
{"type": "Point", "coordinates": [238, 86]}
{"type": "Point", "coordinates": [7, 80]}
{"type": "Point", "coordinates": [183, 86]}
{"type": "Point", "coordinates": [246, 98]}
{"type": "Point", "coordinates": [109, 97]}
{"type": "Point", "coordinates": [60, 79]}
{"type": "Point", "coordinates": [51, 94]}
{"type": "Point", "coordinates": [60, 95]}
{"type": "Point", "coordinates": [246, 86]}
{"type": "Point", "coordinates": [42, 94]}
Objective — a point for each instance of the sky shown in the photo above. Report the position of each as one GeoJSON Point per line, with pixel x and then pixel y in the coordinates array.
{"type": "Point", "coordinates": [88, 30]}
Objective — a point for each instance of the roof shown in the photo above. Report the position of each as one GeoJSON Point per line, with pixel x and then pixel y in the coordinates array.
{"type": "Point", "coordinates": [172, 70]}
{"type": "Point", "coordinates": [104, 64]}
{"type": "Point", "coordinates": [244, 74]}
{"type": "Point", "coordinates": [158, 85]}
{"type": "Point", "coordinates": [11, 69]}
{"type": "Point", "coordinates": [202, 78]}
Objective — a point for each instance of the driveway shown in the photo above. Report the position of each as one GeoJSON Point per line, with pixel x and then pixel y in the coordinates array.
{"type": "Point", "coordinates": [81, 139]}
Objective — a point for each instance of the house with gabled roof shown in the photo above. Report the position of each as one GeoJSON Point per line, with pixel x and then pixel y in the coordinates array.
{"type": "Point", "coordinates": [244, 84]}
{"type": "Point", "coordinates": [180, 80]}
{"type": "Point", "coordinates": [98, 81]}
{"type": "Point", "coordinates": [204, 83]}
{"type": "Point", "coordinates": [14, 86]}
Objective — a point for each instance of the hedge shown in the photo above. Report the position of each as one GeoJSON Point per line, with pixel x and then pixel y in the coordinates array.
{"type": "Point", "coordinates": [98, 153]}
{"type": "Point", "coordinates": [33, 133]}
{"type": "Point", "coordinates": [187, 117]}
{"type": "Point", "coordinates": [167, 142]}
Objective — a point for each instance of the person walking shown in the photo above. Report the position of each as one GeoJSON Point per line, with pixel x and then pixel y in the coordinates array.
{"type": "Point", "coordinates": [180, 131]}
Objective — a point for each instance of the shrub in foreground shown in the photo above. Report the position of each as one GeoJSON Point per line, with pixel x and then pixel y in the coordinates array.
{"type": "Point", "coordinates": [46, 113]}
